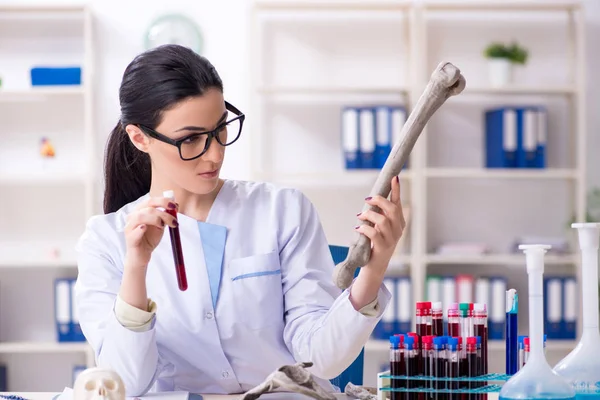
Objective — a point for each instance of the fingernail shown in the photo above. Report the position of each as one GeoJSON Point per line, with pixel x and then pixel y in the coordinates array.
{"type": "Point", "coordinates": [175, 223]}
{"type": "Point", "coordinates": [162, 223]}
{"type": "Point", "coordinates": [171, 205]}
{"type": "Point", "coordinates": [177, 204]}
{"type": "Point", "coordinates": [397, 179]}
{"type": "Point", "coordinates": [368, 198]}
{"type": "Point", "coordinates": [142, 227]}
{"type": "Point", "coordinates": [356, 227]}
{"type": "Point", "coordinates": [358, 214]}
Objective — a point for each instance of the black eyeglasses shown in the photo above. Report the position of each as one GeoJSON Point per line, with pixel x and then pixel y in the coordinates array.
{"type": "Point", "coordinates": [196, 144]}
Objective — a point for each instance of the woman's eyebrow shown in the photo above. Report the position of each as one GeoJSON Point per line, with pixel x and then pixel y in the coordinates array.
{"type": "Point", "coordinates": [199, 128]}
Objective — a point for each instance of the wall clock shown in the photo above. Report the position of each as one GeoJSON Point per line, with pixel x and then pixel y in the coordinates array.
{"type": "Point", "coordinates": [174, 29]}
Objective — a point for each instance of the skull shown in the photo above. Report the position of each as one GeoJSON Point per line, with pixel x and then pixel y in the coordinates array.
{"type": "Point", "coordinates": [98, 384]}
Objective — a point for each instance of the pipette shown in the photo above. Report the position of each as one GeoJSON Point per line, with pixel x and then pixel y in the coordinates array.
{"type": "Point", "coordinates": [581, 367]}
{"type": "Point", "coordinates": [536, 380]}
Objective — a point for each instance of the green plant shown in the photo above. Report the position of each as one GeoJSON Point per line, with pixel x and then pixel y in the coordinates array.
{"type": "Point", "coordinates": [592, 214]}
{"type": "Point", "coordinates": [513, 52]}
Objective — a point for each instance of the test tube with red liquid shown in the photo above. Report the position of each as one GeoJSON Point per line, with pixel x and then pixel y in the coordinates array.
{"type": "Point", "coordinates": [437, 319]}
{"type": "Point", "coordinates": [481, 330]}
{"type": "Point", "coordinates": [453, 321]}
{"type": "Point", "coordinates": [176, 245]}
{"type": "Point", "coordinates": [471, 367]}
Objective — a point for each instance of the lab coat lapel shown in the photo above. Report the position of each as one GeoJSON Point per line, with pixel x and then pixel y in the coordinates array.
{"type": "Point", "coordinates": [213, 239]}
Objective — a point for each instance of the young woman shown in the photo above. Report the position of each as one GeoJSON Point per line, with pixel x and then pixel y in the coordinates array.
{"type": "Point", "coordinates": [260, 291]}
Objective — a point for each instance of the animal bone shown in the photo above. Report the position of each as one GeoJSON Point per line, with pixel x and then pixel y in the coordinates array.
{"type": "Point", "coordinates": [446, 80]}
{"type": "Point", "coordinates": [98, 384]}
{"type": "Point", "coordinates": [360, 392]}
{"type": "Point", "coordinates": [292, 378]}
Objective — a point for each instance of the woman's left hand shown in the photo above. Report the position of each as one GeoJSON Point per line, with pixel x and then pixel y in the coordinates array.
{"type": "Point", "coordinates": [387, 228]}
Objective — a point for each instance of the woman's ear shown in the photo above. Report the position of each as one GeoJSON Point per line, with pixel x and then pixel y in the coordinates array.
{"type": "Point", "coordinates": [138, 138]}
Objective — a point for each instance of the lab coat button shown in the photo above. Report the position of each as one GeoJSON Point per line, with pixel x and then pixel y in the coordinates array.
{"type": "Point", "coordinates": [225, 374]}
{"type": "Point", "coordinates": [209, 315]}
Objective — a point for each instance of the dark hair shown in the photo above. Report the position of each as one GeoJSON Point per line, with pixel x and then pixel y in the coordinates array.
{"type": "Point", "coordinates": [153, 82]}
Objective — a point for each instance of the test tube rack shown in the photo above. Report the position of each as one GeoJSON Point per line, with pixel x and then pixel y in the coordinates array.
{"type": "Point", "coordinates": [384, 387]}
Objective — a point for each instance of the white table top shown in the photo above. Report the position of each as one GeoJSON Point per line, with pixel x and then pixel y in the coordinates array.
{"type": "Point", "coordinates": [270, 396]}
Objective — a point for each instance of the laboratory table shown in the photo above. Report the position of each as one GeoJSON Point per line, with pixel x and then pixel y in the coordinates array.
{"type": "Point", "coordinates": [165, 396]}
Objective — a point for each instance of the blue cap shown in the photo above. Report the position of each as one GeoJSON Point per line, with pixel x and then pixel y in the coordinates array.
{"type": "Point", "coordinates": [438, 341]}
{"type": "Point", "coordinates": [409, 342]}
{"type": "Point", "coordinates": [394, 341]}
{"type": "Point", "coordinates": [545, 337]}
{"type": "Point", "coordinates": [478, 339]}
{"type": "Point", "coordinates": [444, 339]}
{"type": "Point", "coordinates": [452, 343]}
{"type": "Point", "coordinates": [520, 339]}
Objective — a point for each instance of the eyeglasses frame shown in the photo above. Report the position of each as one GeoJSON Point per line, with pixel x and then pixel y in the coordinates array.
{"type": "Point", "coordinates": [211, 134]}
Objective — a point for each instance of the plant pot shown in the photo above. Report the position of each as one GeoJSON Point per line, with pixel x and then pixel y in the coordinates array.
{"type": "Point", "coordinates": [500, 70]}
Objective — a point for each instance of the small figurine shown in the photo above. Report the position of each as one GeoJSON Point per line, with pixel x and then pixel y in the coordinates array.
{"type": "Point", "coordinates": [47, 150]}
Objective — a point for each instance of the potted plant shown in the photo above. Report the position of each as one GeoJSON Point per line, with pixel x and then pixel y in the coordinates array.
{"type": "Point", "coordinates": [501, 58]}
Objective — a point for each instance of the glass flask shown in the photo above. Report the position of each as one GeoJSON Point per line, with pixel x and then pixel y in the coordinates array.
{"type": "Point", "coordinates": [536, 380]}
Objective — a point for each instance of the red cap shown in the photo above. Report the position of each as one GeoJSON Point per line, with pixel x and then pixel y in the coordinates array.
{"type": "Point", "coordinates": [423, 305]}
{"type": "Point", "coordinates": [428, 339]}
{"type": "Point", "coordinates": [401, 337]}
{"type": "Point", "coordinates": [471, 340]}
{"type": "Point", "coordinates": [459, 339]}
{"type": "Point", "coordinates": [413, 334]}
{"type": "Point", "coordinates": [471, 306]}
{"type": "Point", "coordinates": [526, 341]}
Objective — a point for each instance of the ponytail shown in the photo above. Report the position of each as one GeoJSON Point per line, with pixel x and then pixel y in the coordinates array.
{"type": "Point", "coordinates": [127, 172]}
{"type": "Point", "coordinates": [156, 80]}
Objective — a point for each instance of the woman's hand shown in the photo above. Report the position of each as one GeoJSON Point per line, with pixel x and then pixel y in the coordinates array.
{"type": "Point", "coordinates": [387, 229]}
{"type": "Point", "coordinates": [144, 230]}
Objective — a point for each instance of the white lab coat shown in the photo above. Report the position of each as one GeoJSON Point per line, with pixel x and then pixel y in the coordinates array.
{"type": "Point", "coordinates": [276, 302]}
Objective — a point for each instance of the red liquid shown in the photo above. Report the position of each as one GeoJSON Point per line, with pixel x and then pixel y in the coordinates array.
{"type": "Point", "coordinates": [438, 327]}
{"type": "Point", "coordinates": [482, 331]}
{"type": "Point", "coordinates": [440, 372]}
{"type": "Point", "coordinates": [396, 368]}
{"type": "Point", "coordinates": [412, 366]}
{"type": "Point", "coordinates": [472, 372]}
{"type": "Point", "coordinates": [454, 329]}
{"type": "Point", "coordinates": [453, 372]}
{"type": "Point", "coordinates": [177, 254]}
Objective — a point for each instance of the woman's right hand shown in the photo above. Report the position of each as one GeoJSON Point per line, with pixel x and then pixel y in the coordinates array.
{"type": "Point", "coordinates": [144, 229]}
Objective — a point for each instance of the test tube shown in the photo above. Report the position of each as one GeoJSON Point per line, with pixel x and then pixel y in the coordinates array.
{"type": "Point", "coordinates": [417, 347]}
{"type": "Point", "coordinates": [545, 337]}
{"type": "Point", "coordinates": [453, 321]}
{"type": "Point", "coordinates": [465, 324]}
{"type": "Point", "coordinates": [527, 348]}
{"type": "Point", "coordinates": [437, 319]}
{"type": "Point", "coordinates": [512, 336]}
{"type": "Point", "coordinates": [427, 357]}
{"type": "Point", "coordinates": [176, 245]}
{"type": "Point", "coordinates": [453, 371]}
{"type": "Point", "coordinates": [480, 368]}
{"type": "Point", "coordinates": [481, 330]}
{"type": "Point", "coordinates": [410, 355]}
{"type": "Point", "coordinates": [439, 366]}
{"type": "Point", "coordinates": [471, 370]}
{"type": "Point", "coordinates": [521, 351]}
{"type": "Point", "coordinates": [396, 361]}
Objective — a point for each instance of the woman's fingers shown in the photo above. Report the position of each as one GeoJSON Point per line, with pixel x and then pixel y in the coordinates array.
{"type": "Point", "coordinates": [157, 202]}
{"type": "Point", "coordinates": [372, 233]}
{"type": "Point", "coordinates": [395, 194]}
{"type": "Point", "coordinates": [152, 217]}
{"type": "Point", "coordinates": [381, 222]}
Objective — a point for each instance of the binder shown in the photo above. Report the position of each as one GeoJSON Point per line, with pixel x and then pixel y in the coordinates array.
{"type": "Point", "coordinates": [385, 328]}
{"type": "Point", "coordinates": [62, 309]}
{"type": "Point", "coordinates": [366, 137]}
{"type": "Point", "coordinates": [542, 126]}
{"type": "Point", "coordinates": [403, 305]}
{"type": "Point", "coordinates": [553, 307]}
{"type": "Point", "coordinates": [434, 288]}
{"type": "Point", "coordinates": [448, 293]}
{"type": "Point", "coordinates": [497, 309]}
{"type": "Point", "coordinates": [570, 297]}
{"type": "Point", "coordinates": [398, 119]}
{"type": "Point", "coordinates": [350, 137]}
{"type": "Point", "coordinates": [501, 138]}
{"type": "Point", "coordinates": [482, 291]}
{"type": "Point", "coordinates": [76, 332]}
{"type": "Point", "coordinates": [527, 134]}
{"type": "Point", "coordinates": [464, 288]}
{"type": "Point", "coordinates": [383, 129]}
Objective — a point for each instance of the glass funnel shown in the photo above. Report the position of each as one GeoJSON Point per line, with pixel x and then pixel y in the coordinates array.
{"type": "Point", "coordinates": [581, 367]}
{"type": "Point", "coordinates": [536, 380]}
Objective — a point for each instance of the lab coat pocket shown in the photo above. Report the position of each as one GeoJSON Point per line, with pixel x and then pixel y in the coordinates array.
{"type": "Point", "coordinates": [257, 289]}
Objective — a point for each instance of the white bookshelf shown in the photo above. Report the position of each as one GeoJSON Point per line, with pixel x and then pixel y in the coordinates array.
{"type": "Point", "coordinates": [45, 202]}
{"type": "Point", "coordinates": [388, 59]}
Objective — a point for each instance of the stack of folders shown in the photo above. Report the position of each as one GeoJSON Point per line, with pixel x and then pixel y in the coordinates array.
{"type": "Point", "coordinates": [65, 313]}
{"type": "Point", "coordinates": [398, 315]}
{"type": "Point", "coordinates": [467, 289]}
{"type": "Point", "coordinates": [515, 137]}
{"type": "Point", "coordinates": [560, 307]}
{"type": "Point", "coordinates": [369, 133]}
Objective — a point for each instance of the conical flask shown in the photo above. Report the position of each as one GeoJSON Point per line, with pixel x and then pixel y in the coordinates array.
{"type": "Point", "coordinates": [581, 367]}
{"type": "Point", "coordinates": [536, 380]}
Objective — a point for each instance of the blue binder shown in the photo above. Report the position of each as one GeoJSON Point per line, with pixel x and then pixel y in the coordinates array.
{"type": "Point", "coordinates": [553, 307]}
{"type": "Point", "coordinates": [62, 309]}
{"type": "Point", "coordinates": [501, 139]}
{"type": "Point", "coordinates": [349, 137]}
{"type": "Point", "coordinates": [570, 308]}
{"type": "Point", "coordinates": [76, 332]}
{"type": "Point", "coordinates": [527, 137]}
{"type": "Point", "coordinates": [387, 324]}
{"type": "Point", "coordinates": [383, 130]}
{"type": "Point", "coordinates": [366, 137]}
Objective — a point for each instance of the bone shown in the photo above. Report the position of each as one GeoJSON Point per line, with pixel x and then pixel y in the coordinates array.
{"type": "Point", "coordinates": [445, 81]}
{"type": "Point", "coordinates": [290, 378]}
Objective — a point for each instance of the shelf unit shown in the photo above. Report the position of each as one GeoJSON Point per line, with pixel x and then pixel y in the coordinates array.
{"type": "Point", "coordinates": [332, 65]}
{"type": "Point", "coordinates": [46, 202]}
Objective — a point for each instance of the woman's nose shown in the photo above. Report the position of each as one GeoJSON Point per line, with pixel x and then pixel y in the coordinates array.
{"type": "Point", "coordinates": [215, 152]}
